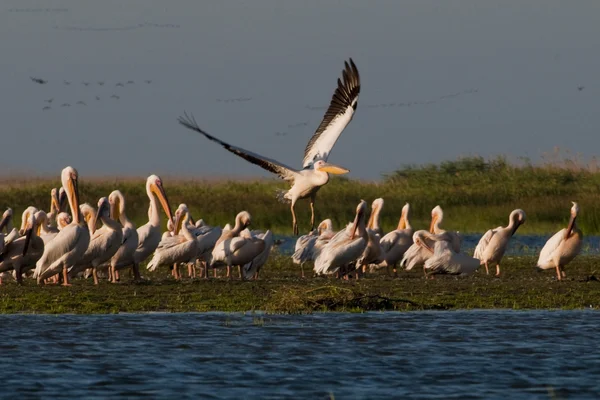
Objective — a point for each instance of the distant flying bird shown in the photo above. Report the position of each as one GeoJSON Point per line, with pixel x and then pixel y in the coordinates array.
{"type": "Point", "coordinates": [66, 82]}
{"type": "Point", "coordinates": [85, 83]}
{"type": "Point", "coordinates": [148, 81]}
{"type": "Point", "coordinates": [65, 105]}
{"type": "Point", "coordinates": [49, 100]}
{"type": "Point", "coordinates": [120, 84]}
{"type": "Point", "coordinates": [46, 108]}
{"type": "Point", "coordinates": [39, 80]}
{"type": "Point", "coordinates": [130, 82]}
{"type": "Point", "coordinates": [82, 103]}
{"type": "Point", "coordinates": [114, 96]}
{"type": "Point", "coordinates": [315, 169]}
{"type": "Point", "coordinates": [100, 83]}
{"type": "Point", "coordinates": [580, 88]}
{"type": "Point", "coordinates": [97, 97]}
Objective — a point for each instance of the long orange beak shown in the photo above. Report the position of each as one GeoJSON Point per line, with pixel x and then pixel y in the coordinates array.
{"type": "Point", "coordinates": [433, 221]}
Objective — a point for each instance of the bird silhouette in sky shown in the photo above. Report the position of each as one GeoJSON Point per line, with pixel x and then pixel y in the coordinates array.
{"type": "Point", "coordinates": [38, 80]}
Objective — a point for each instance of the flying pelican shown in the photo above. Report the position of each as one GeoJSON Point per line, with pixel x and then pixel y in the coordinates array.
{"type": "Point", "coordinates": [104, 242]}
{"type": "Point", "coordinates": [149, 235]}
{"type": "Point", "coordinates": [231, 249]}
{"type": "Point", "coordinates": [182, 247]}
{"type": "Point", "coordinates": [493, 244]}
{"type": "Point", "coordinates": [71, 242]}
{"type": "Point", "coordinates": [563, 247]}
{"type": "Point", "coordinates": [398, 241]}
{"type": "Point", "coordinates": [314, 173]}
{"type": "Point", "coordinates": [443, 259]}
{"type": "Point", "coordinates": [124, 257]}
{"type": "Point", "coordinates": [252, 269]}
{"type": "Point", "coordinates": [22, 253]}
{"type": "Point", "coordinates": [346, 246]}
{"type": "Point", "coordinates": [308, 246]}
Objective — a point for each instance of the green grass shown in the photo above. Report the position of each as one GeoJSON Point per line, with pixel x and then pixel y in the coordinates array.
{"type": "Point", "coordinates": [476, 194]}
{"type": "Point", "coordinates": [281, 290]}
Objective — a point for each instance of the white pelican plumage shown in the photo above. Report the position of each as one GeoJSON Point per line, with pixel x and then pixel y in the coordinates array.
{"type": "Point", "coordinates": [443, 259]}
{"type": "Point", "coordinates": [181, 247]}
{"type": "Point", "coordinates": [124, 257]}
{"type": "Point", "coordinates": [22, 253]}
{"type": "Point", "coordinates": [149, 235]}
{"type": "Point", "coordinates": [104, 242]}
{"type": "Point", "coordinates": [71, 242]}
{"type": "Point", "coordinates": [314, 173]}
{"type": "Point", "coordinates": [373, 253]}
{"type": "Point", "coordinates": [308, 246]}
{"type": "Point", "coordinates": [563, 247]}
{"type": "Point", "coordinates": [346, 246]}
{"type": "Point", "coordinates": [252, 269]}
{"type": "Point", "coordinates": [398, 241]}
{"type": "Point", "coordinates": [231, 249]}
{"type": "Point", "coordinates": [493, 243]}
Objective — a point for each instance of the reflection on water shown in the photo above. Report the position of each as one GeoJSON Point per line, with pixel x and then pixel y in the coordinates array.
{"type": "Point", "coordinates": [463, 354]}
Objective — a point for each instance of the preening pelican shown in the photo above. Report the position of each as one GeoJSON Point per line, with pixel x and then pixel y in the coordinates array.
{"type": "Point", "coordinates": [443, 259]}
{"type": "Point", "coordinates": [149, 235]}
{"type": "Point", "coordinates": [182, 247]}
{"type": "Point", "coordinates": [314, 173]}
{"type": "Point", "coordinates": [252, 269]}
{"type": "Point", "coordinates": [398, 241]}
{"type": "Point", "coordinates": [346, 246]}
{"type": "Point", "coordinates": [7, 225]}
{"type": "Point", "coordinates": [71, 242]}
{"type": "Point", "coordinates": [373, 253]}
{"type": "Point", "coordinates": [563, 247]}
{"type": "Point", "coordinates": [21, 254]}
{"type": "Point", "coordinates": [493, 244]}
{"type": "Point", "coordinates": [124, 257]}
{"type": "Point", "coordinates": [104, 242]}
{"type": "Point", "coordinates": [437, 216]}
{"type": "Point", "coordinates": [231, 249]}
{"type": "Point", "coordinates": [308, 246]}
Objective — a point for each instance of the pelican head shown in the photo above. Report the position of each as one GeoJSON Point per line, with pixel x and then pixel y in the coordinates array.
{"type": "Point", "coordinates": [403, 223]}
{"type": "Point", "coordinates": [361, 209]}
{"type": "Point", "coordinates": [325, 225]}
{"type": "Point", "coordinates": [330, 168]}
{"type": "Point", "coordinates": [62, 220]}
{"type": "Point", "coordinates": [25, 219]}
{"type": "Point", "coordinates": [103, 208]}
{"type": "Point", "coordinates": [181, 212]}
{"type": "Point", "coordinates": [116, 201]}
{"type": "Point", "coordinates": [419, 239]}
{"type": "Point", "coordinates": [574, 209]}
{"type": "Point", "coordinates": [54, 202]}
{"type": "Point", "coordinates": [437, 215]}
{"type": "Point", "coordinates": [29, 227]}
{"type": "Point", "coordinates": [69, 178]}
{"type": "Point", "coordinates": [62, 198]}
{"type": "Point", "coordinates": [154, 186]}
{"type": "Point", "coordinates": [243, 219]}
{"type": "Point", "coordinates": [376, 207]}
{"type": "Point", "coordinates": [6, 216]}
{"type": "Point", "coordinates": [571, 226]}
{"type": "Point", "coordinates": [89, 216]}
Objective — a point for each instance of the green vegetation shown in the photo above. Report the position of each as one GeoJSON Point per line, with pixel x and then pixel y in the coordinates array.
{"type": "Point", "coordinates": [281, 290]}
{"type": "Point", "coordinates": [476, 194]}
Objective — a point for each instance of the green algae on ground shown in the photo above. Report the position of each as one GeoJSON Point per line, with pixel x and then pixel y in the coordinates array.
{"type": "Point", "coordinates": [281, 290]}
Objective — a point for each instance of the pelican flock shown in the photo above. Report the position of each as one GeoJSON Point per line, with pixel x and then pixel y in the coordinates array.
{"type": "Point", "coordinates": [73, 240]}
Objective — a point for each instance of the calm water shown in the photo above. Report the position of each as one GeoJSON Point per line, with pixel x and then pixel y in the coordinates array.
{"type": "Point", "coordinates": [519, 245]}
{"type": "Point", "coordinates": [463, 354]}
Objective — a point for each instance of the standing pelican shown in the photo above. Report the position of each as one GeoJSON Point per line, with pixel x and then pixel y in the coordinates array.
{"type": "Point", "coordinates": [149, 235]}
{"type": "Point", "coordinates": [124, 257]}
{"type": "Point", "coordinates": [308, 246]}
{"type": "Point", "coordinates": [373, 253]}
{"type": "Point", "coordinates": [231, 249]}
{"type": "Point", "coordinates": [104, 242]}
{"type": "Point", "coordinates": [346, 246]}
{"type": "Point", "coordinates": [563, 247]}
{"type": "Point", "coordinates": [314, 173]}
{"type": "Point", "coordinates": [437, 216]}
{"type": "Point", "coordinates": [443, 259]}
{"type": "Point", "coordinates": [398, 241]}
{"type": "Point", "coordinates": [71, 242]}
{"type": "Point", "coordinates": [21, 254]}
{"type": "Point", "coordinates": [182, 247]}
{"type": "Point", "coordinates": [252, 269]}
{"type": "Point", "coordinates": [493, 244]}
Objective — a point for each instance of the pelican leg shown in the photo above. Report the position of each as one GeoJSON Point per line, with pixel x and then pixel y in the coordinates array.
{"type": "Point", "coordinates": [312, 211]}
{"type": "Point", "coordinates": [19, 276]}
{"type": "Point", "coordinates": [497, 269]}
{"type": "Point", "coordinates": [563, 274]}
{"type": "Point", "coordinates": [190, 270]}
{"type": "Point", "coordinates": [136, 272]}
{"type": "Point", "coordinates": [113, 274]}
{"type": "Point", "coordinates": [95, 275]}
{"type": "Point", "coordinates": [229, 272]}
{"type": "Point", "coordinates": [487, 271]}
{"type": "Point", "coordinates": [240, 272]}
{"type": "Point", "coordinates": [302, 268]}
{"type": "Point", "coordinates": [294, 222]}
{"type": "Point", "coordinates": [65, 276]}
{"type": "Point", "coordinates": [215, 273]}
{"type": "Point", "coordinates": [558, 274]}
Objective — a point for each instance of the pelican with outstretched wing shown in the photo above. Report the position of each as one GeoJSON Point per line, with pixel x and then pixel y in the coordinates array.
{"type": "Point", "coordinates": [315, 168]}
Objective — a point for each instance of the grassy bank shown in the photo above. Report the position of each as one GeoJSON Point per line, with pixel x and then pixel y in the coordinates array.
{"type": "Point", "coordinates": [476, 195]}
{"type": "Point", "coordinates": [281, 290]}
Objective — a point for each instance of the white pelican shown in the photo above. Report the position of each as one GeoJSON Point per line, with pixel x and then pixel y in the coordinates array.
{"type": "Point", "coordinates": [22, 253]}
{"type": "Point", "coordinates": [252, 269]}
{"type": "Point", "coordinates": [7, 225]}
{"type": "Point", "coordinates": [563, 247]}
{"type": "Point", "coordinates": [49, 232]}
{"type": "Point", "coordinates": [373, 253]}
{"type": "Point", "coordinates": [493, 244]}
{"type": "Point", "coordinates": [124, 257]}
{"type": "Point", "coordinates": [182, 247]}
{"type": "Point", "coordinates": [231, 249]}
{"type": "Point", "coordinates": [398, 241]}
{"type": "Point", "coordinates": [314, 173]}
{"type": "Point", "coordinates": [443, 259]}
{"type": "Point", "coordinates": [71, 242]}
{"type": "Point", "coordinates": [149, 235]}
{"type": "Point", "coordinates": [308, 246]}
{"type": "Point", "coordinates": [104, 242]}
{"type": "Point", "coordinates": [346, 246]}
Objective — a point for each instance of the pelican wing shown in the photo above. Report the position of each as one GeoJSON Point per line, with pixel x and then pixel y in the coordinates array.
{"type": "Point", "coordinates": [483, 243]}
{"type": "Point", "coordinates": [545, 260]}
{"type": "Point", "coordinates": [338, 115]}
{"type": "Point", "coordinates": [270, 165]}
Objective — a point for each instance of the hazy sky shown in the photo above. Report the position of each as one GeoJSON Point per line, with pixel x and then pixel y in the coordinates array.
{"type": "Point", "coordinates": [482, 77]}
